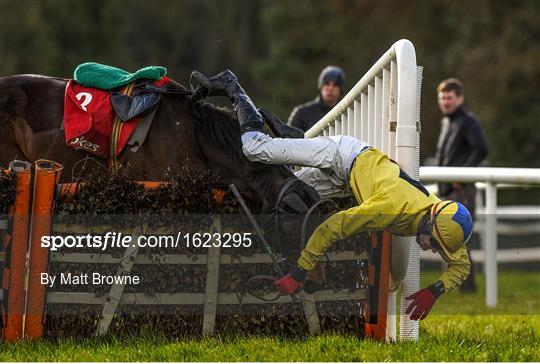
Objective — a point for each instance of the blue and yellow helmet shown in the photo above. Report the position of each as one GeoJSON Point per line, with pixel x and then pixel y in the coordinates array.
{"type": "Point", "coordinates": [451, 225]}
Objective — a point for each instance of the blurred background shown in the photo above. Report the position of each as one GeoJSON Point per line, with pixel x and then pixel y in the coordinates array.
{"type": "Point", "coordinates": [277, 49]}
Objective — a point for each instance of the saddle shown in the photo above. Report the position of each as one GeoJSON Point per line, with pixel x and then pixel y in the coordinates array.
{"type": "Point", "coordinates": [107, 108]}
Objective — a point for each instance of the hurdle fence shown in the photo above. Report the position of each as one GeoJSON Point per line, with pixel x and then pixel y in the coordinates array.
{"type": "Point", "coordinates": [45, 192]}
{"type": "Point", "coordinates": [210, 298]}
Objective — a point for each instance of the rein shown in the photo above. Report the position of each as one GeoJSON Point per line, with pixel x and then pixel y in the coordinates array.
{"type": "Point", "coordinates": [276, 259]}
{"type": "Point", "coordinates": [164, 90]}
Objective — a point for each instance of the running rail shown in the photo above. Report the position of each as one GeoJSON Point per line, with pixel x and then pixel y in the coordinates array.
{"type": "Point", "coordinates": [492, 177]}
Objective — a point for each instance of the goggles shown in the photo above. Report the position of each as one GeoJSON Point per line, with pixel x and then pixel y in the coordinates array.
{"type": "Point", "coordinates": [426, 226]}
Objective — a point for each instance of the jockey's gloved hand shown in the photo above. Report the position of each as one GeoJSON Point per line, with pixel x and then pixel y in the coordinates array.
{"type": "Point", "coordinates": [424, 300]}
{"type": "Point", "coordinates": [291, 282]}
{"type": "Point", "coordinates": [222, 84]}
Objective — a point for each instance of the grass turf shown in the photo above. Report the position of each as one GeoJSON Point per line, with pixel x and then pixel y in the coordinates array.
{"type": "Point", "coordinates": [459, 329]}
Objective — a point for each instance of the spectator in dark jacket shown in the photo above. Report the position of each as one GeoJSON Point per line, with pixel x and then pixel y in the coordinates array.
{"type": "Point", "coordinates": [331, 86]}
{"type": "Point", "coordinates": [461, 144]}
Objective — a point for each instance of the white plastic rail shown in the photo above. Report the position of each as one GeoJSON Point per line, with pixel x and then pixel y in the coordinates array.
{"type": "Point", "coordinates": [492, 177]}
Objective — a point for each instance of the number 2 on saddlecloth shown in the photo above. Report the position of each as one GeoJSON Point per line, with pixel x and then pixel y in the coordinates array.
{"type": "Point", "coordinates": [87, 99]}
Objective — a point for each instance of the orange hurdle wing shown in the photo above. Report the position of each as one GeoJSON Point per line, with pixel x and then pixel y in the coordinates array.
{"type": "Point", "coordinates": [47, 176]}
{"type": "Point", "coordinates": [378, 286]}
{"type": "Point", "coordinates": [15, 247]}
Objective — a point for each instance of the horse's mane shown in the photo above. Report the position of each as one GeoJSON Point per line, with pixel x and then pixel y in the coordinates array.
{"type": "Point", "coordinates": [219, 125]}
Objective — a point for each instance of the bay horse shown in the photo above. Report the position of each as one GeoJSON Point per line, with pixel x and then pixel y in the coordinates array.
{"type": "Point", "coordinates": [196, 133]}
{"type": "Point", "coordinates": [183, 132]}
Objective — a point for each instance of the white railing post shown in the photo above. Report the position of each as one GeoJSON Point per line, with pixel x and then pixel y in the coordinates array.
{"type": "Point", "coordinates": [480, 206]}
{"type": "Point", "coordinates": [406, 156]}
{"type": "Point", "coordinates": [491, 244]}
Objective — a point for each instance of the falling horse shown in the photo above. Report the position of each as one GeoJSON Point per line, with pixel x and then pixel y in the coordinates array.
{"type": "Point", "coordinates": [183, 132]}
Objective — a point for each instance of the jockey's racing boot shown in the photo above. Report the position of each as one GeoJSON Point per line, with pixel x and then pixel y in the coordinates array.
{"type": "Point", "coordinates": [226, 84]}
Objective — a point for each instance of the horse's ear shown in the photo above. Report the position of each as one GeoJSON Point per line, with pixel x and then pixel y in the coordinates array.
{"type": "Point", "coordinates": [279, 128]}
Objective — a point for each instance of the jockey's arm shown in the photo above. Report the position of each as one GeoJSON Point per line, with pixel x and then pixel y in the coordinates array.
{"type": "Point", "coordinates": [456, 270]}
{"type": "Point", "coordinates": [374, 214]}
{"type": "Point", "coordinates": [423, 300]}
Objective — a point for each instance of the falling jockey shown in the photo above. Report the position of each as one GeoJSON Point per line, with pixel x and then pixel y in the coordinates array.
{"type": "Point", "coordinates": [388, 198]}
